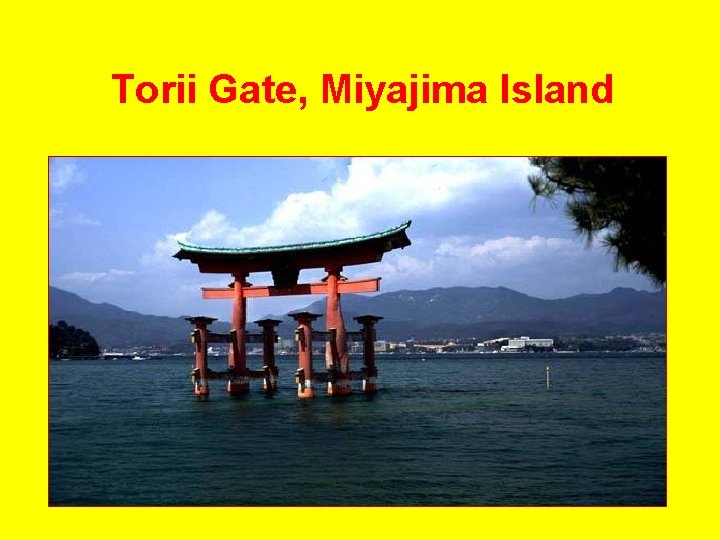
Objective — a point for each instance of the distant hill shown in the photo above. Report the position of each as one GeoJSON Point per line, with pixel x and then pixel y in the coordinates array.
{"type": "Point", "coordinates": [460, 312]}
{"type": "Point", "coordinates": [67, 341]}
{"type": "Point", "coordinates": [488, 312]}
{"type": "Point", "coordinates": [114, 327]}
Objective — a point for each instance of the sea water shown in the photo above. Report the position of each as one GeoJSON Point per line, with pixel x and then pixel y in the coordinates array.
{"type": "Point", "coordinates": [443, 430]}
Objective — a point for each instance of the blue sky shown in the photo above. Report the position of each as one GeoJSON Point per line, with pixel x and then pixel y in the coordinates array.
{"type": "Point", "coordinates": [115, 222]}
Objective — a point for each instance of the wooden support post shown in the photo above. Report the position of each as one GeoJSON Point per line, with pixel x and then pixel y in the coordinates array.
{"type": "Point", "coordinates": [269, 337]}
{"type": "Point", "coordinates": [200, 373]}
{"type": "Point", "coordinates": [336, 355]}
{"type": "Point", "coordinates": [239, 381]}
{"type": "Point", "coordinates": [369, 385]}
{"type": "Point", "coordinates": [303, 336]}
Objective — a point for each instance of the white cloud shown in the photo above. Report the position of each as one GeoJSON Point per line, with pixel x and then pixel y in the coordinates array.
{"type": "Point", "coordinates": [378, 192]}
{"type": "Point", "coordinates": [94, 277]}
{"type": "Point", "coordinates": [331, 168]}
{"type": "Point", "coordinates": [546, 267]}
{"type": "Point", "coordinates": [422, 184]}
{"type": "Point", "coordinates": [65, 172]}
{"type": "Point", "coordinates": [213, 225]}
{"type": "Point", "coordinates": [506, 251]}
{"type": "Point", "coordinates": [462, 260]}
{"type": "Point", "coordinates": [61, 218]}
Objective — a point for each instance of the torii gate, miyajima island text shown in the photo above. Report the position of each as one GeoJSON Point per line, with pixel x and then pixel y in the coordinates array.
{"type": "Point", "coordinates": [285, 264]}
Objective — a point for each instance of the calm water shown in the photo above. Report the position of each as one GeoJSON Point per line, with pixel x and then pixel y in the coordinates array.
{"type": "Point", "coordinates": [445, 430]}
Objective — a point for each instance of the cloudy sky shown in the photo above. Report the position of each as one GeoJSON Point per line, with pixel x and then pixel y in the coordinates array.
{"type": "Point", "coordinates": [115, 223]}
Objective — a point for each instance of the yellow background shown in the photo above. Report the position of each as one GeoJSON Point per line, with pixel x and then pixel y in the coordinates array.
{"type": "Point", "coordinates": [57, 98]}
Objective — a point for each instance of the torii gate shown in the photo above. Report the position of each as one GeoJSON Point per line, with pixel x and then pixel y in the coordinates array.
{"type": "Point", "coordinates": [285, 263]}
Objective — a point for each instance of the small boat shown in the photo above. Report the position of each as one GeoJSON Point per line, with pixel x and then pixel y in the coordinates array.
{"type": "Point", "coordinates": [136, 357]}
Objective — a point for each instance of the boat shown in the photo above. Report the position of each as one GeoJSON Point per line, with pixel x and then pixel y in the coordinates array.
{"type": "Point", "coordinates": [114, 355]}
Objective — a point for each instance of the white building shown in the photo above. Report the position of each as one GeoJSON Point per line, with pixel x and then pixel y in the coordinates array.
{"type": "Point", "coordinates": [525, 342]}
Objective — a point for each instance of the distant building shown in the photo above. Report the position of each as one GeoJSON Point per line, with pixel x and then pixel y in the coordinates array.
{"type": "Point", "coordinates": [497, 342]}
{"type": "Point", "coordinates": [525, 342]}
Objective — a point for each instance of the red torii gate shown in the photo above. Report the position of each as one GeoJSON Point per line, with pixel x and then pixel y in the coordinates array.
{"type": "Point", "coordinates": [285, 263]}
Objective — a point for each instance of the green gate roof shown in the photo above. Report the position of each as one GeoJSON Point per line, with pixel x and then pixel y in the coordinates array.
{"type": "Point", "coordinates": [293, 257]}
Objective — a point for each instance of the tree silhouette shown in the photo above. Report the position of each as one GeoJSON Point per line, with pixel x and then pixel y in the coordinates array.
{"type": "Point", "coordinates": [622, 199]}
{"type": "Point", "coordinates": [68, 341]}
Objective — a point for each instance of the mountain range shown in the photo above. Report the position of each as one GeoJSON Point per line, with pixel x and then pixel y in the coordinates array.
{"type": "Point", "coordinates": [453, 312]}
{"type": "Point", "coordinates": [114, 327]}
{"type": "Point", "coordinates": [485, 313]}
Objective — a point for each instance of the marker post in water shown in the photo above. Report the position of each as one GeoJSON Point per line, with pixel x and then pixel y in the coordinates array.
{"type": "Point", "coordinates": [547, 377]}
